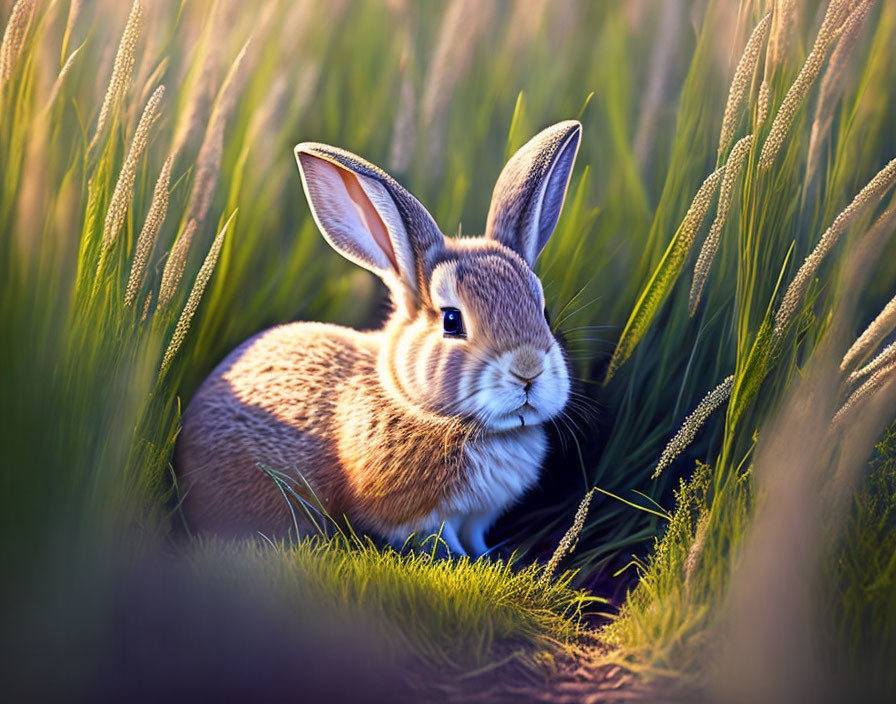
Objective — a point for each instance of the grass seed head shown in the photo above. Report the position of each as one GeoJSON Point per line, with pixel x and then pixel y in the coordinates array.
{"type": "Point", "coordinates": [875, 383]}
{"type": "Point", "coordinates": [884, 359]}
{"type": "Point", "coordinates": [696, 549]}
{"type": "Point", "coordinates": [708, 252]}
{"type": "Point", "coordinates": [693, 219]}
{"type": "Point", "coordinates": [659, 287]}
{"type": "Point", "coordinates": [151, 226]}
{"type": "Point", "coordinates": [174, 266]}
{"type": "Point", "coordinates": [186, 316]}
{"type": "Point", "coordinates": [784, 17]}
{"type": "Point", "coordinates": [692, 424]}
{"type": "Point", "coordinates": [121, 73]}
{"type": "Point", "coordinates": [14, 38]}
{"type": "Point", "coordinates": [799, 89]}
{"type": "Point", "coordinates": [208, 163]}
{"type": "Point", "coordinates": [124, 187]}
{"type": "Point", "coordinates": [832, 82]}
{"type": "Point", "coordinates": [880, 327]}
{"type": "Point", "coordinates": [875, 188]}
{"type": "Point", "coordinates": [740, 84]}
{"type": "Point", "coordinates": [569, 540]}
{"type": "Point", "coordinates": [762, 103]}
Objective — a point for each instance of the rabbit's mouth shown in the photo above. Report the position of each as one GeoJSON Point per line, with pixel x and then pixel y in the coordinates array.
{"type": "Point", "coordinates": [526, 415]}
{"type": "Point", "coordinates": [522, 410]}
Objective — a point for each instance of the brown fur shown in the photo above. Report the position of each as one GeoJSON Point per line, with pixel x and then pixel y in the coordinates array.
{"type": "Point", "coordinates": [273, 401]}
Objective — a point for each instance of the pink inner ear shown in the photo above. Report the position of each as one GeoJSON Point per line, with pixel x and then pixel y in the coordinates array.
{"type": "Point", "coordinates": [368, 214]}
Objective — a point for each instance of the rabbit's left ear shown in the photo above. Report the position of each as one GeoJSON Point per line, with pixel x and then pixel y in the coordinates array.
{"type": "Point", "coordinates": [529, 195]}
{"type": "Point", "coordinates": [368, 217]}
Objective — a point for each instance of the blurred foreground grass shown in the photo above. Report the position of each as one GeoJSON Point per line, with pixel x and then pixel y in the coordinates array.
{"type": "Point", "coordinates": [148, 230]}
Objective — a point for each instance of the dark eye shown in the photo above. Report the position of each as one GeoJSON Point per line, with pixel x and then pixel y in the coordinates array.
{"type": "Point", "coordinates": [452, 323]}
{"type": "Point", "coordinates": [547, 316]}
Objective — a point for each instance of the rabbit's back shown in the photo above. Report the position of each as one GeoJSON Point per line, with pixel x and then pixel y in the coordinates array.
{"type": "Point", "coordinates": [271, 403]}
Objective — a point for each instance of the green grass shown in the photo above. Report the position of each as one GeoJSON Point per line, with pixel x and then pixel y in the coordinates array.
{"type": "Point", "coordinates": [458, 616]}
{"type": "Point", "coordinates": [861, 573]}
{"type": "Point", "coordinates": [89, 422]}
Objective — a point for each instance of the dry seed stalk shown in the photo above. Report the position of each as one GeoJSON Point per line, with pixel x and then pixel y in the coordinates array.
{"type": "Point", "coordinates": [464, 23]}
{"type": "Point", "coordinates": [875, 189]}
{"type": "Point", "coordinates": [155, 77]}
{"type": "Point", "coordinates": [832, 84]}
{"type": "Point", "coordinates": [732, 170]}
{"type": "Point", "coordinates": [869, 388]}
{"type": "Point", "coordinates": [208, 162]}
{"type": "Point", "coordinates": [690, 225]}
{"type": "Point", "coordinates": [798, 91]}
{"type": "Point", "coordinates": [404, 129]}
{"type": "Point", "coordinates": [121, 72]}
{"type": "Point", "coordinates": [151, 226]}
{"type": "Point", "coordinates": [569, 540]}
{"type": "Point", "coordinates": [884, 359]}
{"type": "Point", "coordinates": [783, 21]}
{"type": "Point", "coordinates": [743, 77]}
{"type": "Point", "coordinates": [201, 93]}
{"type": "Point", "coordinates": [882, 326]}
{"type": "Point", "coordinates": [673, 261]}
{"type": "Point", "coordinates": [14, 38]}
{"type": "Point", "coordinates": [124, 188]}
{"type": "Point", "coordinates": [174, 267]}
{"type": "Point", "coordinates": [74, 10]}
{"type": "Point", "coordinates": [186, 316]}
{"type": "Point", "coordinates": [693, 423]}
{"type": "Point", "coordinates": [762, 103]}
{"type": "Point", "coordinates": [60, 79]}
{"type": "Point", "coordinates": [662, 62]}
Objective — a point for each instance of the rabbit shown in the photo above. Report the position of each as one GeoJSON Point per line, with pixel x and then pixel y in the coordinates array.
{"type": "Point", "coordinates": [433, 423]}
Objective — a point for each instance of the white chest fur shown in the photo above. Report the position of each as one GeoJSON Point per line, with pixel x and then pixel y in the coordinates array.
{"type": "Point", "coordinates": [500, 468]}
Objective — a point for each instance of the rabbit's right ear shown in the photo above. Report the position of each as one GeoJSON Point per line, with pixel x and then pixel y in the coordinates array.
{"type": "Point", "coordinates": [529, 195]}
{"type": "Point", "coordinates": [368, 217]}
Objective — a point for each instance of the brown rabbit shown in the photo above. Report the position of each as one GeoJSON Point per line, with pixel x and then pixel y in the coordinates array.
{"type": "Point", "coordinates": [435, 420]}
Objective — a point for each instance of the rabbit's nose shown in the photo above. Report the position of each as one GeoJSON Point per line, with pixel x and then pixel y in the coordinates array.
{"type": "Point", "coordinates": [527, 380]}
